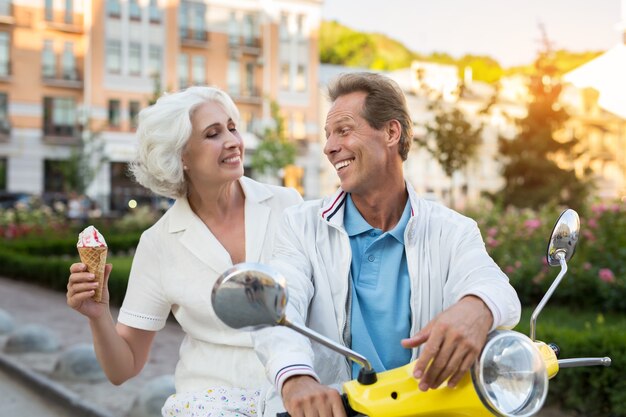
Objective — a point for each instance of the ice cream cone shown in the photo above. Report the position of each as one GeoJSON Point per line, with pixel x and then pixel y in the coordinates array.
{"type": "Point", "coordinates": [95, 258]}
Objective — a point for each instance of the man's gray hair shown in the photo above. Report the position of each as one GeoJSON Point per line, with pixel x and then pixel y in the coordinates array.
{"type": "Point", "coordinates": [384, 102]}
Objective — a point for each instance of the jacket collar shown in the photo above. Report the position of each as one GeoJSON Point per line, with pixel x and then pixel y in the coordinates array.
{"type": "Point", "coordinates": [199, 240]}
{"type": "Point", "coordinates": [333, 207]}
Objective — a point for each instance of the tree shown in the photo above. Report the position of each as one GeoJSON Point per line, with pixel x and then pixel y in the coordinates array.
{"type": "Point", "coordinates": [451, 139]}
{"type": "Point", "coordinates": [84, 163]}
{"type": "Point", "coordinates": [275, 151]}
{"type": "Point", "coordinates": [531, 173]}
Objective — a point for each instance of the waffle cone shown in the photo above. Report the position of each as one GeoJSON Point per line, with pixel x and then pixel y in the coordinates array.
{"type": "Point", "coordinates": [95, 259]}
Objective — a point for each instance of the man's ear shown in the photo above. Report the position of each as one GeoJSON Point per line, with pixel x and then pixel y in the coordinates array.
{"type": "Point", "coordinates": [394, 132]}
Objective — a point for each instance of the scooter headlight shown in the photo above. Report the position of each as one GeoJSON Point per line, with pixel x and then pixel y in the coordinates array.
{"type": "Point", "coordinates": [510, 375]}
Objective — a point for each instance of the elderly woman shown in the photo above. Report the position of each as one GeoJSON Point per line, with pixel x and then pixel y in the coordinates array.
{"type": "Point", "coordinates": [190, 150]}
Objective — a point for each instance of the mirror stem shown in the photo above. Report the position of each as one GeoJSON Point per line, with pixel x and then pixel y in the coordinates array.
{"type": "Point", "coordinates": [533, 319]}
{"type": "Point", "coordinates": [352, 355]}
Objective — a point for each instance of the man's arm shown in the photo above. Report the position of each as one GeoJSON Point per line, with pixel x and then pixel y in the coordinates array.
{"type": "Point", "coordinates": [479, 299]}
{"type": "Point", "coordinates": [452, 341]}
{"type": "Point", "coordinates": [280, 349]}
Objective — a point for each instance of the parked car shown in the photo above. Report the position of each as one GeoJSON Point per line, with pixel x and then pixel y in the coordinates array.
{"type": "Point", "coordinates": [9, 199]}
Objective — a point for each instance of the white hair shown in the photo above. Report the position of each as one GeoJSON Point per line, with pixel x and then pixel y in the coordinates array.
{"type": "Point", "coordinates": [163, 131]}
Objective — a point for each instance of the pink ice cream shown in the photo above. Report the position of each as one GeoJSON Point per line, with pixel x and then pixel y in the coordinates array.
{"type": "Point", "coordinates": [90, 238]}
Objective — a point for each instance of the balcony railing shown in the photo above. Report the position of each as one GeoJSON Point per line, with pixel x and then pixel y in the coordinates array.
{"type": "Point", "coordinates": [194, 37]}
{"type": "Point", "coordinates": [66, 77]}
{"type": "Point", "coordinates": [61, 134]}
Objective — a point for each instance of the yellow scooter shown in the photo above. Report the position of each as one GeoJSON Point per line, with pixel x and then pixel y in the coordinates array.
{"type": "Point", "coordinates": [509, 378]}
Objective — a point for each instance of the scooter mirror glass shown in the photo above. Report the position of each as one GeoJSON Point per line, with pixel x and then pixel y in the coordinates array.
{"type": "Point", "coordinates": [249, 296]}
{"type": "Point", "coordinates": [562, 244]}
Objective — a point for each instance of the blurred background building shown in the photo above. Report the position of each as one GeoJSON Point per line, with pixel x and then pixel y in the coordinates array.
{"type": "Point", "coordinates": [74, 75]}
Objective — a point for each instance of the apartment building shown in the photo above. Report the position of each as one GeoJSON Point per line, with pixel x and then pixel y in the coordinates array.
{"type": "Point", "coordinates": [74, 75]}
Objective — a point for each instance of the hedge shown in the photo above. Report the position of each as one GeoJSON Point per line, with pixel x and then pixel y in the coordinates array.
{"type": "Point", "coordinates": [44, 266]}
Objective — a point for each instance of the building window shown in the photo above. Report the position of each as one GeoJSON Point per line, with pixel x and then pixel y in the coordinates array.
{"type": "Point", "coordinates": [285, 76]}
{"type": "Point", "coordinates": [191, 20]}
{"type": "Point", "coordinates": [300, 26]}
{"type": "Point", "coordinates": [154, 60]}
{"type": "Point", "coordinates": [183, 21]}
{"type": "Point", "coordinates": [114, 8]}
{"type": "Point", "coordinates": [134, 10]}
{"type": "Point", "coordinates": [54, 176]}
{"type": "Point", "coordinates": [48, 10]}
{"type": "Point", "coordinates": [250, 79]}
{"type": "Point", "coordinates": [233, 77]}
{"type": "Point", "coordinates": [301, 78]}
{"type": "Point", "coordinates": [48, 60]}
{"type": "Point", "coordinates": [245, 122]}
{"type": "Point", "coordinates": [284, 27]}
{"type": "Point", "coordinates": [233, 29]}
{"type": "Point", "coordinates": [69, 12]}
{"type": "Point", "coordinates": [5, 126]}
{"type": "Point", "coordinates": [114, 113]}
{"type": "Point", "coordinates": [59, 116]}
{"type": "Point", "coordinates": [183, 71]}
{"type": "Point", "coordinates": [198, 22]}
{"type": "Point", "coordinates": [114, 56]}
{"type": "Point", "coordinates": [3, 174]}
{"type": "Point", "coordinates": [298, 125]}
{"type": "Point", "coordinates": [154, 12]}
{"type": "Point", "coordinates": [5, 54]}
{"type": "Point", "coordinates": [198, 70]}
{"type": "Point", "coordinates": [5, 8]}
{"type": "Point", "coordinates": [134, 58]}
{"type": "Point", "coordinates": [68, 62]}
{"type": "Point", "coordinates": [133, 112]}
{"type": "Point", "coordinates": [249, 30]}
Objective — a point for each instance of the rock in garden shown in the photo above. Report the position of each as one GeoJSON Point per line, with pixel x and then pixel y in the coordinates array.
{"type": "Point", "coordinates": [152, 397]}
{"type": "Point", "coordinates": [32, 338]}
{"type": "Point", "coordinates": [7, 324]}
{"type": "Point", "coordinates": [79, 363]}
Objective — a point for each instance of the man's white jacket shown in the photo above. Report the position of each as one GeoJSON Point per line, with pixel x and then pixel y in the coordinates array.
{"type": "Point", "coordinates": [446, 260]}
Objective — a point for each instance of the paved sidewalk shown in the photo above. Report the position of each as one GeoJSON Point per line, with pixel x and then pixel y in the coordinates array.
{"type": "Point", "coordinates": [31, 304]}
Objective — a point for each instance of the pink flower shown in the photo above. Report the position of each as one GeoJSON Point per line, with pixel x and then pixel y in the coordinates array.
{"type": "Point", "coordinates": [509, 269]}
{"type": "Point", "coordinates": [532, 224]}
{"type": "Point", "coordinates": [586, 266]}
{"type": "Point", "coordinates": [492, 243]}
{"type": "Point", "coordinates": [598, 208]}
{"type": "Point", "coordinates": [492, 232]}
{"type": "Point", "coordinates": [589, 235]}
{"type": "Point", "coordinates": [606, 275]}
{"type": "Point", "coordinates": [592, 223]}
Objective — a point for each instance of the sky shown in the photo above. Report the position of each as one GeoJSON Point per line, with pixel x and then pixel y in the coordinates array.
{"type": "Point", "coordinates": [506, 30]}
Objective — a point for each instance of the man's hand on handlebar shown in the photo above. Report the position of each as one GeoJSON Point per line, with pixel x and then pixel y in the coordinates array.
{"type": "Point", "coordinates": [303, 396]}
{"type": "Point", "coordinates": [452, 342]}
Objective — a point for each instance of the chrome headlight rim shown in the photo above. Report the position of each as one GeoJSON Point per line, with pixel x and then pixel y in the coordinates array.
{"type": "Point", "coordinates": [478, 378]}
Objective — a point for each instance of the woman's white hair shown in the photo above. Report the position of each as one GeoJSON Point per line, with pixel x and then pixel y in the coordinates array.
{"type": "Point", "coordinates": [163, 131]}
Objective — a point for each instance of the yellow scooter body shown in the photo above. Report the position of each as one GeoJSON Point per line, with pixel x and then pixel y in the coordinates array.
{"type": "Point", "coordinates": [396, 394]}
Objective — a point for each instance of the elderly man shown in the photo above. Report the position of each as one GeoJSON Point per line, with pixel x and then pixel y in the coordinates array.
{"type": "Point", "coordinates": [377, 268]}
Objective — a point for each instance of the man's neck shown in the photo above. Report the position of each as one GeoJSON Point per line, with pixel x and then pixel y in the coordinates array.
{"type": "Point", "coordinates": [382, 208]}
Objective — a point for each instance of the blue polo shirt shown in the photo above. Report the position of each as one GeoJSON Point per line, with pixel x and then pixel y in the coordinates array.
{"type": "Point", "coordinates": [380, 309]}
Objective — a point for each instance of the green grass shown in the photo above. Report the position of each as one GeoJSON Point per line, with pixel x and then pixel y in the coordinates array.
{"type": "Point", "coordinates": [571, 318]}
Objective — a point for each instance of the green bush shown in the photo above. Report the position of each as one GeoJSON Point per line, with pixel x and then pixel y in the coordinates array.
{"type": "Point", "coordinates": [517, 240]}
{"type": "Point", "coordinates": [591, 391]}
